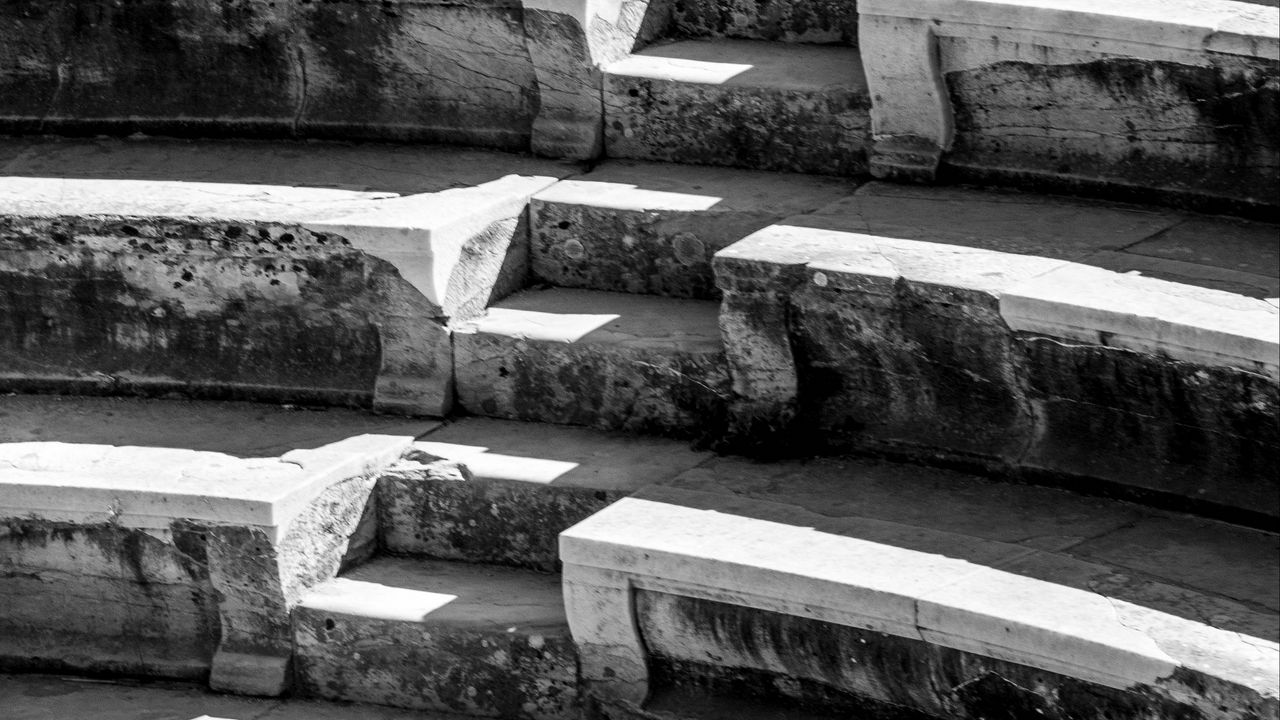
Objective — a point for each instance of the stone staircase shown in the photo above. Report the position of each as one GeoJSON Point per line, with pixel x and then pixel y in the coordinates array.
{"type": "Point", "coordinates": [703, 419]}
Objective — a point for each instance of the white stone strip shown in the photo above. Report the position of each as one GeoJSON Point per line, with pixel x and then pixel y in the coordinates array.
{"type": "Point", "coordinates": [1224, 26]}
{"type": "Point", "coordinates": [1090, 305]}
{"type": "Point", "coordinates": [662, 545]}
{"type": "Point", "coordinates": [1055, 298]}
{"type": "Point", "coordinates": [149, 488]}
{"type": "Point", "coordinates": [421, 235]}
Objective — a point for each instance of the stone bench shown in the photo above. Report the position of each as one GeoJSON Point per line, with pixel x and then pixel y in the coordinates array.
{"type": "Point", "coordinates": [174, 563]}
{"type": "Point", "coordinates": [1166, 95]}
{"type": "Point", "coordinates": [895, 614]}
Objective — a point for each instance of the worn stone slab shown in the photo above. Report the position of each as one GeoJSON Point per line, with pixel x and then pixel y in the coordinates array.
{"type": "Point", "coordinates": [244, 430]}
{"type": "Point", "coordinates": [1212, 277]}
{"type": "Point", "coordinates": [507, 489]}
{"type": "Point", "coordinates": [808, 22]}
{"type": "Point", "coordinates": [267, 292]}
{"type": "Point", "coordinates": [1196, 569]}
{"type": "Point", "coordinates": [51, 697]}
{"type": "Point", "coordinates": [1003, 221]}
{"type": "Point", "coordinates": [1153, 316]}
{"type": "Point", "coordinates": [1112, 88]}
{"type": "Point", "coordinates": [766, 106]}
{"type": "Point", "coordinates": [364, 167]}
{"type": "Point", "coordinates": [233, 542]}
{"type": "Point", "coordinates": [449, 637]}
{"type": "Point", "coordinates": [652, 228]}
{"type": "Point", "coordinates": [607, 360]}
{"type": "Point", "coordinates": [864, 351]}
{"type": "Point", "coordinates": [713, 549]}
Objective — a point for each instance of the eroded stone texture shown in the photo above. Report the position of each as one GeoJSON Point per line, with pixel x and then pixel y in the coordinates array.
{"type": "Point", "coordinates": [128, 601]}
{"type": "Point", "coordinates": [756, 653]}
{"type": "Point", "coordinates": [216, 310]}
{"type": "Point", "coordinates": [814, 21]}
{"type": "Point", "coordinates": [792, 107]}
{"type": "Point", "coordinates": [907, 367]}
{"type": "Point", "coordinates": [417, 71]}
{"type": "Point", "coordinates": [151, 65]}
{"type": "Point", "coordinates": [606, 360]}
{"type": "Point", "coordinates": [429, 510]}
{"type": "Point", "coordinates": [1209, 434]}
{"type": "Point", "coordinates": [1185, 130]}
{"type": "Point", "coordinates": [448, 637]}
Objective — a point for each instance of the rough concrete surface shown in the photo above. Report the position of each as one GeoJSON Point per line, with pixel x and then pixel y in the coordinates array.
{"type": "Point", "coordinates": [450, 637]}
{"type": "Point", "coordinates": [766, 106]}
{"type": "Point", "coordinates": [652, 228]}
{"type": "Point", "coordinates": [522, 485]}
{"type": "Point", "coordinates": [607, 360]}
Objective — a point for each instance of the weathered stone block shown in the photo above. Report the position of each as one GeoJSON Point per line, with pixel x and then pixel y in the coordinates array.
{"type": "Point", "coordinates": [652, 228]}
{"type": "Point", "coordinates": [1150, 126]}
{"type": "Point", "coordinates": [457, 516]}
{"type": "Point", "coordinates": [628, 362]}
{"type": "Point", "coordinates": [448, 637]}
{"type": "Point", "coordinates": [812, 21]}
{"type": "Point", "coordinates": [417, 71]}
{"type": "Point", "coordinates": [1191, 431]}
{"type": "Point", "coordinates": [740, 103]}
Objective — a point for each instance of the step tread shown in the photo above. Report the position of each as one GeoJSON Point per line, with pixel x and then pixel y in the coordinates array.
{"type": "Point", "coordinates": [334, 166]}
{"type": "Point", "coordinates": [1178, 563]}
{"type": "Point", "coordinates": [559, 455]}
{"type": "Point", "coordinates": [747, 63]}
{"type": "Point", "coordinates": [455, 595]}
{"type": "Point", "coordinates": [568, 315]}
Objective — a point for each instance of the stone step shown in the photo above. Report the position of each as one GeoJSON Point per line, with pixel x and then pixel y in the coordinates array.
{"type": "Point", "coordinates": [174, 536]}
{"type": "Point", "coordinates": [743, 103]}
{"type": "Point", "coordinates": [992, 330]}
{"type": "Point", "coordinates": [652, 228]}
{"type": "Point", "coordinates": [238, 270]}
{"type": "Point", "coordinates": [608, 360]}
{"type": "Point", "coordinates": [874, 587]}
{"type": "Point", "coordinates": [499, 491]}
{"type": "Point", "coordinates": [805, 21]}
{"type": "Point", "coordinates": [452, 637]}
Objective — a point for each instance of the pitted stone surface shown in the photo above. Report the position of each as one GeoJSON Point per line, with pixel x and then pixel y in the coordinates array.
{"type": "Point", "coordinates": [440, 636]}
{"type": "Point", "coordinates": [607, 360]}
{"type": "Point", "coordinates": [767, 106]}
{"type": "Point", "coordinates": [652, 228]}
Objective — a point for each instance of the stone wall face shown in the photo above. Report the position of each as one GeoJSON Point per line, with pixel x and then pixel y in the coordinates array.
{"type": "Point", "coordinates": [127, 601]}
{"type": "Point", "coordinates": [421, 71]}
{"type": "Point", "coordinates": [215, 310]}
{"type": "Point", "coordinates": [1188, 130]}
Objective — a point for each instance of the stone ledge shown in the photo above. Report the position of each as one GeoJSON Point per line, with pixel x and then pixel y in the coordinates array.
{"type": "Point", "coordinates": [674, 542]}
{"type": "Point", "coordinates": [1197, 25]}
{"type": "Point", "coordinates": [150, 488]}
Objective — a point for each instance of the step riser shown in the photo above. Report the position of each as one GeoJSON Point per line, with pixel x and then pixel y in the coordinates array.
{"type": "Point", "coordinates": [648, 252]}
{"type": "Point", "coordinates": [809, 21]}
{"type": "Point", "coordinates": [779, 657]}
{"type": "Point", "coordinates": [410, 665]}
{"type": "Point", "coordinates": [824, 132]}
{"type": "Point", "coordinates": [482, 521]}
